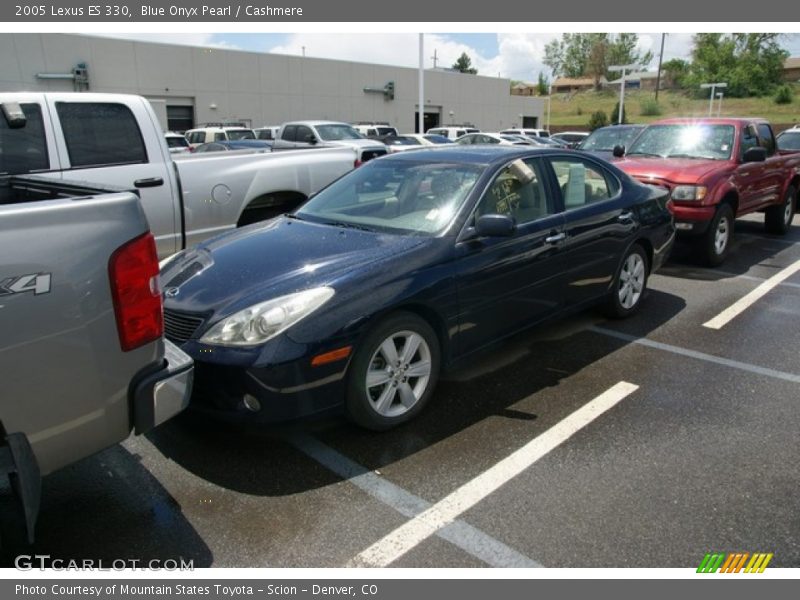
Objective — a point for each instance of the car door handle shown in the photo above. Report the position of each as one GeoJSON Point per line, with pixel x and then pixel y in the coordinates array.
{"type": "Point", "coordinates": [146, 183]}
{"type": "Point", "coordinates": [626, 217]}
{"type": "Point", "coordinates": [555, 238]}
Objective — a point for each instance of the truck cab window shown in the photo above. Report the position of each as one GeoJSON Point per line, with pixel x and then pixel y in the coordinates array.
{"type": "Point", "coordinates": [24, 150]}
{"type": "Point", "coordinates": [100, 134]}
{"type": "Point", "coordinates": [767, 140]}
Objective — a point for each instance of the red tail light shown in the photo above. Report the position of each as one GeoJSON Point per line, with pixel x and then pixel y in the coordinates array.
{"type": "Point", "coordinates": [133, 272]}
{"type": "Point", "coordinates": [357, 164]}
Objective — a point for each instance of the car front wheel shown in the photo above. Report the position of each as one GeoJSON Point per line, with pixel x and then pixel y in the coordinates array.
{"type": "Point", "coordinates": [393, 373]}
{"type": "Point", "coordinates": [716, 243]}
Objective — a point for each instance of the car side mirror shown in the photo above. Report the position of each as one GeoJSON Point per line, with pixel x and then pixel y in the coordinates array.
{"type": "Point", "coordinates": [310, 139]}
{"type": "Point", "coordinates": [618, 151]}
{"type": "Point", "coordinates": [755, 154]}
{"type": "Point", "coordinates": [494, 226]}
{"type": "Point", "coordinates": [15, 118]}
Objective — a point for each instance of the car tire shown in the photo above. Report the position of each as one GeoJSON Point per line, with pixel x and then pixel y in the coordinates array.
{"type": "Point", "coordinates": [630, 284]}
{"type": "Point", "coordinates": [716, 243]}
{"type": "Point", "coordinates": [385, 385]}
{"type": "Point", "coordinates": [778, 219]}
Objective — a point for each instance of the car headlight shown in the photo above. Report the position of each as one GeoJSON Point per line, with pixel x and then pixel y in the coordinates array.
{"type": "Point", "coordinates": [689, 192]}
{"type": "Point", "coordinates": [261, 322]}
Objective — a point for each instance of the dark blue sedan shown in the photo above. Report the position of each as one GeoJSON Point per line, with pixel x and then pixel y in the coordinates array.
{"type": "Point", "coordinates": [407, 264]}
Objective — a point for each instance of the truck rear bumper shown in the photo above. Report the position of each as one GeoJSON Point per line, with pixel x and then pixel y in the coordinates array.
{"type": "Point", "coordinates": [160, 395]}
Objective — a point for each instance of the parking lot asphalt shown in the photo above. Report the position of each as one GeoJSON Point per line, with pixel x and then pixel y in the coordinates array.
{"type": "Point", "coordinates": [530, 455]}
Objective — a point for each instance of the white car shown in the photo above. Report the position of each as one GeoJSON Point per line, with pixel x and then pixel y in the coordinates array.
{"type": "Point", "coordinates": [268, 132]}
{"type": "Point", "coordinates": [571, 138]}
{"type": "Point", "coordinates": [177, 143]}
{"type": "Point", "coordinates": [205, 135]}
{"type": "Point", "coordinates": [789, 140]}
{"type": "Point", "coordinates": [375, 130]}
{"type": "Point", "coordinates": [327, 134]}
{"type": "Point", "coordinates": [493, 138]}
{"type": "Point", "coordinates": [413, 141]}
{"type": "Point", "coordinates": [527, 131]}
{"type": "Point", "coordinates": [453, 133]}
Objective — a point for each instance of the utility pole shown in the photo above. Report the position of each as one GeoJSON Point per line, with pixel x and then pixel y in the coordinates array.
{"type": "Point", "coordinates": [660, 59]}
{"type": "Point", "coordinates": [623, 69]}
{"type": "Point", "coordinates": [421, 112]}
{"type": "Point", "coordinates": [435, 58]}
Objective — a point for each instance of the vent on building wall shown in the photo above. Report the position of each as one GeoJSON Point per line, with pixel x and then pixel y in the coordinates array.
{"type": "Point", "coordinates": [79, 77]}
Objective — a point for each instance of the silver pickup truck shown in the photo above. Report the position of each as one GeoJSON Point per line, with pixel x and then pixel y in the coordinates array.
{"type": "Point", "coordinates": [116, 139]}
{"type": "Point", "coordinates": [83, 360]}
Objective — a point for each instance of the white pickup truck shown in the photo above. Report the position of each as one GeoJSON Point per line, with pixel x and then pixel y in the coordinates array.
{"type": "Point", "coordinates": [116, 139]}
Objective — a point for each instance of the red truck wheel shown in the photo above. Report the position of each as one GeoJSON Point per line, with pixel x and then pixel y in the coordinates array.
{"type": "Point", "coordinates": [778, 219]}
{"type": "Point", "coordinates": [717, 240]}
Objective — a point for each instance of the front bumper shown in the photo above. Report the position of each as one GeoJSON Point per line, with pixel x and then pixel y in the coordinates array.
{"type": "Point", "coordinates": [277, 392]}
{"type": "Point", "coordinates": [692, 220]}
{"type": "Point", "coordinates": [160, 395]}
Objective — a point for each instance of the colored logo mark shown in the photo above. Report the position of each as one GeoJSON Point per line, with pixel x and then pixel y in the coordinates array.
{"type": "Point", "coordinates": [734, 562]}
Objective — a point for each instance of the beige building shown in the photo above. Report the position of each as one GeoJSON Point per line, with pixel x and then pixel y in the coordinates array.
{"type": "Point", "coordinates": [791, 69]}
{"type": "Point", "coordinates": [200, 85]}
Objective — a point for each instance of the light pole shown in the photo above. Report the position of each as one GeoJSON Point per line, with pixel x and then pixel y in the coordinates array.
{"type": "Point", "coordinates": [623, 69]}
{"type": "Point", "coordinates": [549, 95]}
{"type": "Point", "coordinates": [713, 87]}
{"type": "Point", "coordinates": [660, 58]}
{"type": "Point", "coordinates": [421, 86]}
{"type": "Point", "coordinates": [720, 95]}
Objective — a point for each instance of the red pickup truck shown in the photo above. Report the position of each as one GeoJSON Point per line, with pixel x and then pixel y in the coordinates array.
{"type": "Point", "coordinates": [717, 170]}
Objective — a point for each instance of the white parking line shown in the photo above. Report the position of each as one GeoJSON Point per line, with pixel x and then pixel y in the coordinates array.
{"type": "Point", "coordinates": [726, 362]}
{"type": "Point", "coordinates": [744, 303]}
{"type": "Point", "coordinates": [407, 536]}
{"type": "Point", "coordinates": [470, 539]}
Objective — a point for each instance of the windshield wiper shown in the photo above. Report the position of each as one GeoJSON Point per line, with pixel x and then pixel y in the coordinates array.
{"type": "Point", "coordinates": [689, 156]}
{"type": "Point", "coordinates": [644, 154]}
{"type": "Point", "coordinates": [294, 216]}
{"type": "Point", "coordinates": [347, 225]}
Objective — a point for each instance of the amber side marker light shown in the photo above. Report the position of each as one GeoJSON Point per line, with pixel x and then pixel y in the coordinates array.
{"type": "Point", "coordinates": [332, 356]}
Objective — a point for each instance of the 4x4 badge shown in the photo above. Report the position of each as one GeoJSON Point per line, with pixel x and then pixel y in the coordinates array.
{"type": "Point", "coordinates": [38, 283]}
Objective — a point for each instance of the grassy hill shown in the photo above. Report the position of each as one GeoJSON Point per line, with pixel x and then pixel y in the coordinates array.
{"type": "Point", "coordinates": [574, 112]}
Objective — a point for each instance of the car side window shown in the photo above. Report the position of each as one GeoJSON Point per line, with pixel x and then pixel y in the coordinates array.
{"type": "Point", "coordinates": [749, 140]}
{"type": "Point", "coordinates": [24, 150]}
{"type": "Point", "coordinates": [289, 133]}
{"type": "Point", "coordinates": [582, 183]}
{"type": "Point", "coordinates": [219, 136]}
{"type": "Point", "coordinates": [100, 134]}
{"type": "Point", "coordinates": [303, 133]}
{"type": "Point", "coordinates": [526, 202]}
{"type": "Point", "coordinates": [767, 140]}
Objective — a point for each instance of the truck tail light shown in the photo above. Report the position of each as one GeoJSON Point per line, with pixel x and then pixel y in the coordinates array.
{"type": "Point", "coordinates": [133, 273]}
{"type": "Point", "coordinates": [357, 163]}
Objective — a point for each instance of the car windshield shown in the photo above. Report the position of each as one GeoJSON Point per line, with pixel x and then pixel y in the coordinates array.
{"type": "Point", "coordinates": [331, 133]}
{"type": "Point", "coordinates": [789, 140]}
{"type": "Point", "coordinates": [395, 196]}
{"type": "Point", "coordinates": [386, 131]}
{"type": "Point", "coordinates": [401, 141]}
{"type": "Point", "coordinates": [606, 139]}
{"type": "Point", "coordinates": [713, 142]}
{"type": "Point", "coordinates": [240, 134]}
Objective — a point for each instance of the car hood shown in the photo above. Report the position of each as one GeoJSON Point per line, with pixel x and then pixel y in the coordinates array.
{"type": "Point", "coordinates": [271, 259]}
{"type": "Point", "coordinates": [675, 170]}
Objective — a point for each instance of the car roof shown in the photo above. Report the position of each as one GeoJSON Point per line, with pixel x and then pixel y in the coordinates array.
{"type": "Point", "coordinates": [477, 155]}
{"type": "Point", "coordinates": [315, 123]}
{"type": "Point", "coordinates": [710, 121]}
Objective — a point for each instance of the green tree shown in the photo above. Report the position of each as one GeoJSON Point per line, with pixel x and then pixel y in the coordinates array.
{"type": "Point", "coordinates": [676, 70]}
{"type": "Point", "coordinates": [614, 115]}
{"type": "Point", "coordinates": [590, 54]}
{"type": "Point", "coordinates": [597, 120]}
{"type": "Point", "coordinates": [750, 63]}
{"type": "Point", "coordinates": [542, 85]}
{"type": "Point", "coordinates": [464, 64]}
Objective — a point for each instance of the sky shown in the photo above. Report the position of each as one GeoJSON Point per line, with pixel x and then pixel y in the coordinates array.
{"type": "Point", "coordinates": [511, 55]}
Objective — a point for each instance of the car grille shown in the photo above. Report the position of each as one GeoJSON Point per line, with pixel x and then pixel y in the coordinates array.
{"type": "Point", "coordinates": [370, 154]}
{"type": "Point", "coordinates": [180, 326]}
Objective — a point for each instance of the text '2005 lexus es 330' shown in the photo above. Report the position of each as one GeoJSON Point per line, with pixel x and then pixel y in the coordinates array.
{"type": "Point", "coordinates": [357, 300]}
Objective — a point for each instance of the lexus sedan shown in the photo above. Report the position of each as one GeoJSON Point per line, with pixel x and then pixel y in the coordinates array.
{"type": "Point", "coordinates": [410, 263]}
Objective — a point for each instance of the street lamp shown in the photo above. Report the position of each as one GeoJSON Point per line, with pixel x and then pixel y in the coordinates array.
{"type": "Point", "coordinates": [713, 87]}
{"type": "Point", "coordinates": [623, 69]}
{"type": "Point", "coordinates": [720, 95]}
